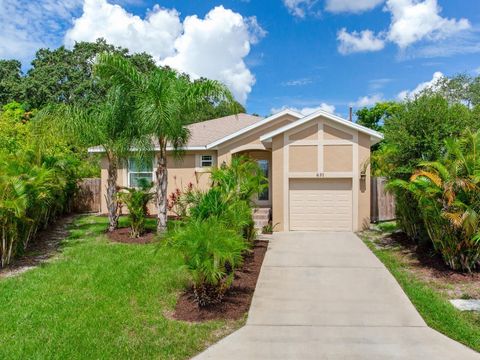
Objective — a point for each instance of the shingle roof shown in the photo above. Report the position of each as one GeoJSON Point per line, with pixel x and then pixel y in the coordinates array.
{"type": "Point", "coordinates": [206, 132]}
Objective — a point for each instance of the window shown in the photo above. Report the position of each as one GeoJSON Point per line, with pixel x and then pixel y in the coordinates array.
{"type": "Point", "coordinates": [139, 169]}
{"type": "Point", "coordinates": [206, 161]}
{"type": "Point", "coordinates": [263, 164]}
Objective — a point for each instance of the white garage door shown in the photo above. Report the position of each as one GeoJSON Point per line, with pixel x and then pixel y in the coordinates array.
{"type": "Point", "coordinates": [321, 204]}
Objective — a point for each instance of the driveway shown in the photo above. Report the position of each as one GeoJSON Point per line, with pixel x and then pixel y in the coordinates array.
{"type": "Point", "coordinates": [326, 296]}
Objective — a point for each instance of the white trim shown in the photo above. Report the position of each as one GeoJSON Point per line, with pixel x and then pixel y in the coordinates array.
{"type": "Point", "coordinates": [355, 181]}
{"type": "Point", "coordinates": [320, 175]}
{"type": "Point", "coordinates": [254, 126]}
{"type": "Point", "coordinates": [374, 134]}
{"type": "Point", "coordinates": [320, 150]}
{"type": "Point", "coordinates": [253, 147]}
{"type": "Point", "coordinates": [100, 149]}
{"type": "Point", "coordinates": [286, 184]}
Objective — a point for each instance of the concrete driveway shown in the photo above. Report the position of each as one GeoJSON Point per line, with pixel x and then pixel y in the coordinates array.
{"type": "Point", "coordinates": [326, 296]}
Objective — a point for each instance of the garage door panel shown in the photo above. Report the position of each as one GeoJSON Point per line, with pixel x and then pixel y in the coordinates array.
{"type": "Point", "coordinates": [321, 204]}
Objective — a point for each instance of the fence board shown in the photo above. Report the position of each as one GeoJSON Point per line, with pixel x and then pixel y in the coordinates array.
{"type": "Point", "coordinates": [382, 204]}
{"type": "Point", "coordinates": [87, 199]}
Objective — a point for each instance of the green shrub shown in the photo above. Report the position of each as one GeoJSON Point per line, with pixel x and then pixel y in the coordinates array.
{"type": "Point", "coordinates": [242, 179]}
{"type": "Point", "coordinates": [211, 252]}
{"type": "Point", "coordinates": [137, 200]}
{"type": "Point", "coordinates": [448, 196]}
{"type": "Point", "coordinates": [39, 170]}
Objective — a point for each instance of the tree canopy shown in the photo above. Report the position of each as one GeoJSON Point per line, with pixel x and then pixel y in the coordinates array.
{"type": "Point", "coordinates": [65, 76]}
{"type": "Point", "coordinates": [374, 117]}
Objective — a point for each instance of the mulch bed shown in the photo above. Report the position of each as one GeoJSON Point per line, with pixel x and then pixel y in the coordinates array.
{"type": "Point", "coordinates": [429, 266]}
{"type": "Point", "coordinates": [122, 235]}
{"type": "Point", "coordinates": [236, 301]}
{"type": "Point", "coordinates": [45, 245]}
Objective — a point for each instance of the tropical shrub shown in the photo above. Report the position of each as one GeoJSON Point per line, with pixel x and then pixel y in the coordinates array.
{"type": "Point", "coordinates": [416, 132]}
{"type": "Point", "coordinates": [211, 252]}
{"type": "Point", "coordinates": [136, 200]}
{"type": "Point", "coordinates": [179, 201]}
{"type": "Point", "coordinates": [38, 177]}
{"type": "Point", "coordinates": [239, 183]}
{"type": "Point", "coordinates": [448, 195]}
{"type": "Point", "coordinates": [242, 179]}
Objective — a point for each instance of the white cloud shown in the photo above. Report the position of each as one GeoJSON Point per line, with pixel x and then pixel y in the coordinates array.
{"type": "Point", "coordinates": [297, 82]}
{"type": "Point", "coordinates": [307, 110]}
{"type": "Point", "coordinates": [29, 25]}
{"type": "Point", "coordinates": [376, 84]}
{"type": "Point", "coordinates": [367, 100]}
{"type": "Point", "coordinates": [409, 94]}
{"type": "Point", "coordinates": [414, 20]}
{"type": "Point", "coordinates": [214, 47]}
{"type": "Point", "coordinates": [353, 6]}
{"type": "Point", "coordinates": [362, 41]}
{"type": "Point", "coordinates": [477, 70]}
{"type": "Point", "coordinates": [299, 8]}
{"type": "Point", "coordinates": [155, 34]}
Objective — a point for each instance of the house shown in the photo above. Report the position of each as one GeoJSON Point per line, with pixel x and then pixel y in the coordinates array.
{"type": "Point", "coordinates": [316, 165]}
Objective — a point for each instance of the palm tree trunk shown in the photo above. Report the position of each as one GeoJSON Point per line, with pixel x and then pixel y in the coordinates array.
{"type": "Point", "coordinates": [161, 187]}
{"type": "Point", "coordinates": [111, 196]}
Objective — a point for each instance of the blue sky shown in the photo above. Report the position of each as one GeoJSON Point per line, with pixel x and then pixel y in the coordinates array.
{"type": "Point", "coordinates": [303, 54]}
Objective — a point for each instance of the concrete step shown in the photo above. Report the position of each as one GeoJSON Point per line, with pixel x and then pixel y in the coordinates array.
{"type": "Point", "coordinates": [261, 217]}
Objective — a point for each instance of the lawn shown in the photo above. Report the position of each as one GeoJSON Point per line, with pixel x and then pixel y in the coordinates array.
{"type": "Point", "coordinates": [100, 300]}
{"type": "Point", "coordinates": [429, 294]}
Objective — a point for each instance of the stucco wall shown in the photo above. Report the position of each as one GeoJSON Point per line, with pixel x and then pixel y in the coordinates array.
{"type": "Point", "coordinates": [364, 192]}
{"type": "Point", "coordinates": [181, 172]}
{"type": "Point", "coordinates": [277, 182]}
{"type": "Point", "coordinates": [337, 158]}
{"type": "Point", "coordinates": [303, 158]}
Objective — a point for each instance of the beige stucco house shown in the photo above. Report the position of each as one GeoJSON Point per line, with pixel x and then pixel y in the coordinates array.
{"type": "Point", "coordinates": [317, 166]}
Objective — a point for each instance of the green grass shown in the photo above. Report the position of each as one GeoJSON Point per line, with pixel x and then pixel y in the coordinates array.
{"type": "Point", "coordinates": [100, 300]}
{"type": "Point", "coordinates": [387, 226]}
{"type": "Point", "coordinates": [435, 309]}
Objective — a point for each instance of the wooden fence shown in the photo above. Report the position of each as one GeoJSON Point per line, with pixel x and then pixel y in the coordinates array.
{"type": "Point", "coordinates": [87, 199]}
{"type": "Point", "coordinates": [382, 204]}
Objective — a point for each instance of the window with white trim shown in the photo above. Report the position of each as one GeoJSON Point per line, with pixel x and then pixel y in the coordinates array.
{"type": "Point", "coordinates": [206, 161]}
{"type": "Point", "coordinates": [139, 169]}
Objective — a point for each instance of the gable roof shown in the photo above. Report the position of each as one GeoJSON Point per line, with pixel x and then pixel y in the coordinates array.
{"type": "Point", "coordinates": [375, 136]}
{"type": "Point", "coordinates": [206, 132]}
{"type": "Point", "coordinates": [209, 134]}
{"type": "Point", "coordinates": [254, 126]}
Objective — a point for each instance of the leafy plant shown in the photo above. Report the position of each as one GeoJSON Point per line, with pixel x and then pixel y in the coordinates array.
{"type": "Point", "coordinates": [448, 194]}
{"type": "Point", "coordinates": [211, 252]}
{"type": "Point", "coordinates": [180, 201]}
{"type": "Point", "coordinates": [242, 179]}
{"type": "Point", "coordinates": [137, 200]}
{"type": "Point", "coordinates": [268, 229]}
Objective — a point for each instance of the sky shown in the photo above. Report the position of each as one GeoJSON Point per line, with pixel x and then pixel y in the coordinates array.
{"type": "Point", "coordinates": [272, 54]}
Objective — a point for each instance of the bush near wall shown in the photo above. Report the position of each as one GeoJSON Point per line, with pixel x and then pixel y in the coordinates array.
{"type": "Point", "coordinates": [215, 228]}
{"type": "Point", "coordinates": [426, 141]}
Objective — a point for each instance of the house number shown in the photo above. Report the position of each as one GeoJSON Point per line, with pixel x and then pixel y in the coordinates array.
{"type": "Point", "coordinates": [320, 174]}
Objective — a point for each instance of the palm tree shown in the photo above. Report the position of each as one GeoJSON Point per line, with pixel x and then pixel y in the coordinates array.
{"type": "Point", "coordinates": [111, 125]}
{"type": "Point", "coordinates": [162, 98]}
